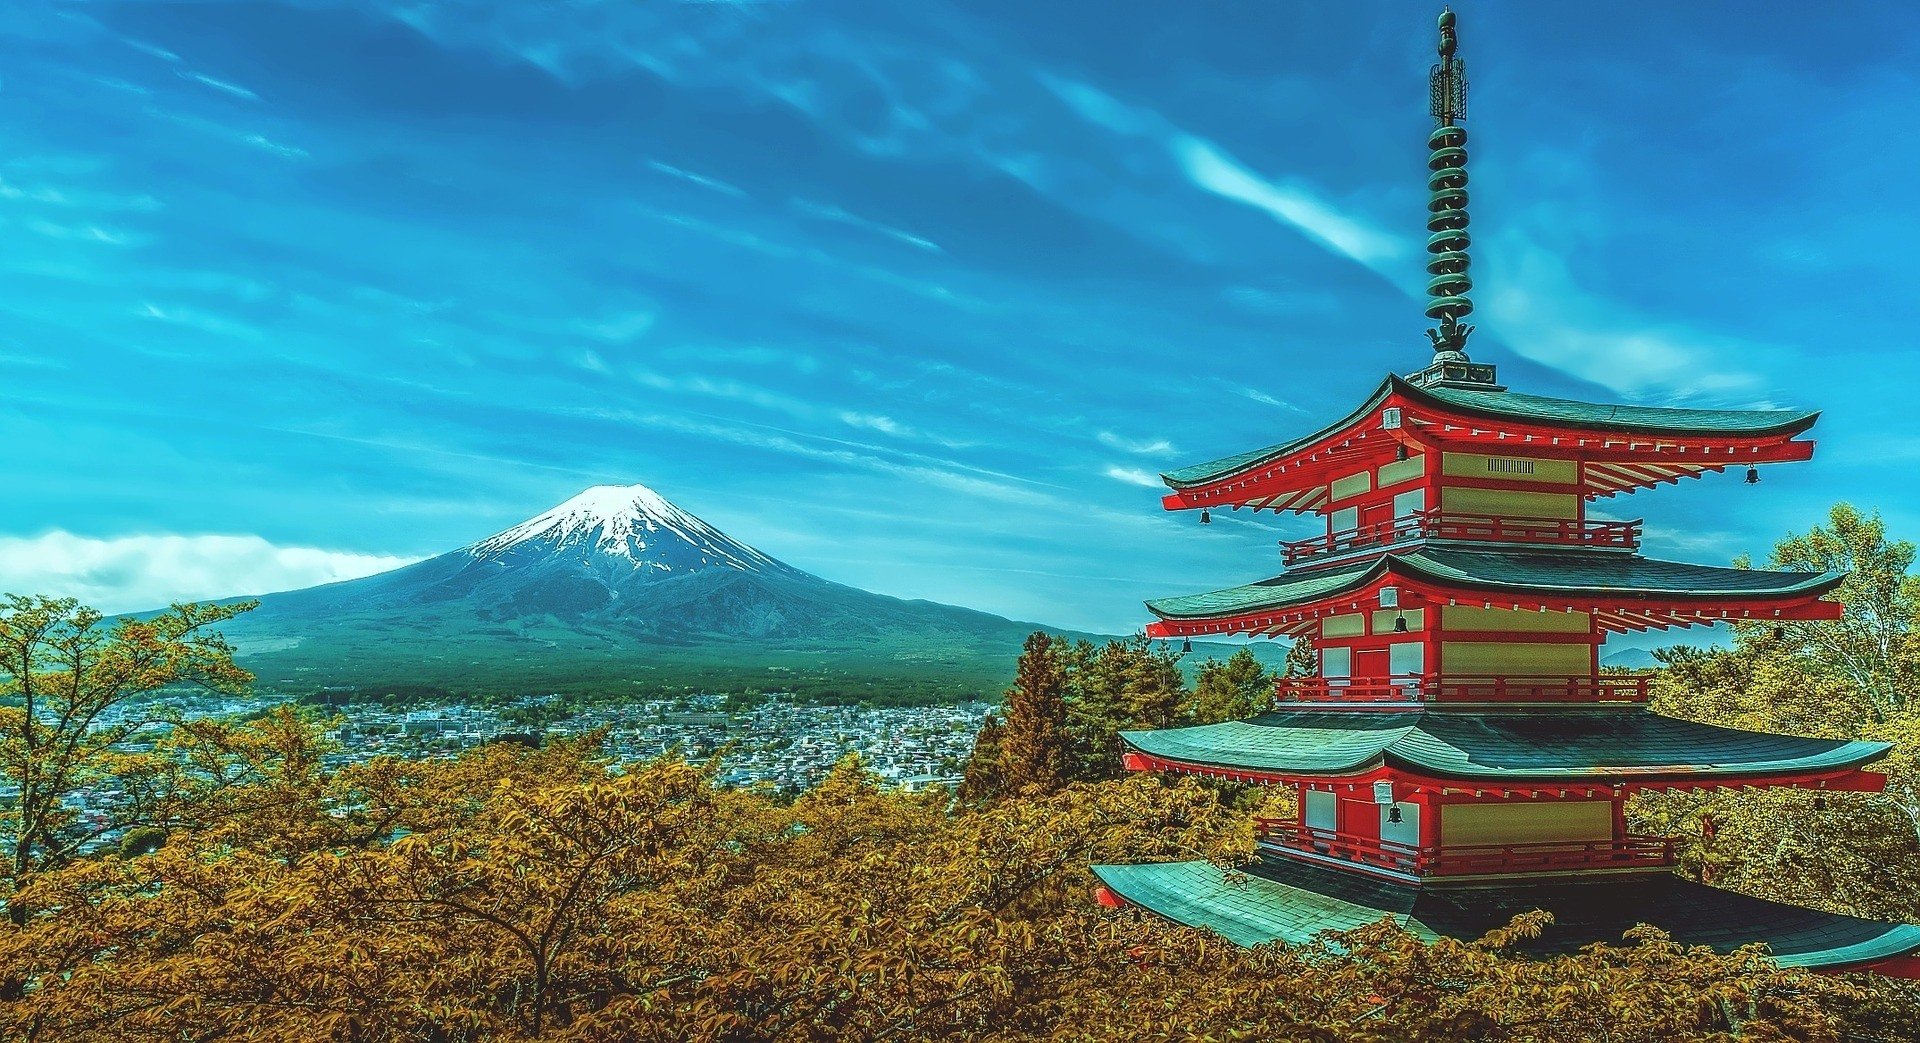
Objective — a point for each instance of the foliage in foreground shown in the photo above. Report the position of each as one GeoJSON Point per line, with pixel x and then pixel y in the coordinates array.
{"type": "Point", "coordinates": [1857, 677]}
{"type": "Point", "coordinates": [520, 894]}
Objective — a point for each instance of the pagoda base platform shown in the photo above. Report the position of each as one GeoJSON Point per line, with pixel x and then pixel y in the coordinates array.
{"type": "Point", "coordinates": [1288, 901]}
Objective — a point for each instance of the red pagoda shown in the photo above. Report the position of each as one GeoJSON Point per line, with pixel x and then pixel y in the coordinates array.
{"type": "Point", "coordinates": [1460, 758]}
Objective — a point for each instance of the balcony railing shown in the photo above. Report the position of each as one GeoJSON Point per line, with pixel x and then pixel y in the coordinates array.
{"type": "Point", "coordinates": [1630, 852]}
{"type": "Point", "coordinates": [1435, 524]}
{"type": "Point", "coordinates": [1428, 688]}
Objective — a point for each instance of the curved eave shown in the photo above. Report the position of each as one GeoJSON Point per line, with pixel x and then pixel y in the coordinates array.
{"type": "Point", "coordinates": [1197, 475]}
{"type": "Point", "coordinates": [1453, 569]}
{"type": "Point", "coordinates": [1251, 747]}
{"type": "Point", "coordinates": [1551, 414]}
{"type": "Point", "coordinates": [1610, 580]}
{"type": "Point", "coordinates": [1294, 903]}
{"type": "Point", "coordinates": [1579, 747]}
{"type": "Point", "coordinates": [1572, 415]}
{"type": "Point", "coordinates": [1271, 595]}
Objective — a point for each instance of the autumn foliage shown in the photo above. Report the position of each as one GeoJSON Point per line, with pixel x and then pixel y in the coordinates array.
{"type": "Point", "coordinates": [520, 894]}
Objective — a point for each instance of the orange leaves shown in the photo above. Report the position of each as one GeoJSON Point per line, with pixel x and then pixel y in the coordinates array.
{"type": "Point", "coordinates": [521, 895]}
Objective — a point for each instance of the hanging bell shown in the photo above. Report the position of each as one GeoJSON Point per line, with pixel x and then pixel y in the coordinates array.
{"type": "Point", "coordinates": [1400, 451]}
{"type": "Point", "coordinates": [1399, 622]}
{"type": "Point", "coordinates": [1186, 645]}
{"type": "Point", "coordinates": [1393, 813]}
{"type": "Point", "coordinates": [1206, 517]}
{"type": "Point", "coordinates": [1753, 475]}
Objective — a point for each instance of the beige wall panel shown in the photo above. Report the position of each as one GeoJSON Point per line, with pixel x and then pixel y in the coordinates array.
{"type": "Point", "coordinates": [1509, 503]}
{"type": "Point", "coordinates": [1383, 620]}
{"type": "Point", "coordinates": [1354, 625]}
{"type": "Point", "coordinates": [1351, 485]}
{"type": "Point", "coordinates": [1402, 470]}
{"type": "Point", "coordinates": [1464, 617]}
{"type": "Point", "coordinates": [1529, 823]}
{"type": "Point", "coordinates": [1486, 658]}
{"type": "Point", "coordinates": [1509, 468]}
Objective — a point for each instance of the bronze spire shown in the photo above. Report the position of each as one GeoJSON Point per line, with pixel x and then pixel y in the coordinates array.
{"type": "Point", "coordinates": [1448, 281]}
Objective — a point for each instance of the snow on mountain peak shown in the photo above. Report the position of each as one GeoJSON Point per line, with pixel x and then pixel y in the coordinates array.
{"type": "Point", "coordinates": [633, 522]}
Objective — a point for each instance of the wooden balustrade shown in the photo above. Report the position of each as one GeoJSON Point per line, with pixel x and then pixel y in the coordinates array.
{"type": "Point", "coordinates": [1428, 688]}
{"type": "Point", "coordinates": [1435, 524]}
{"type": "Point", "coordinates": [1629, 852]}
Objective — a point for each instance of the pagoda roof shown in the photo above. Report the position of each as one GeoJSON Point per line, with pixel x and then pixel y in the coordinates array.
{"type": "Point", "coordinates": [1529, 409]}
{"type": "Point", "coordinates": [1287, 901]}
{"type": "Point", "coordinates": [1574, 745]}
{"type": "Point", "coordinates": [1574, 574]}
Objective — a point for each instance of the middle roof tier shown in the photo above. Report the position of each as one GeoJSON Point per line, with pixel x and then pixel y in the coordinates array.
{"type": "Point", "coordinates": [1622, 592]}
{"type": "Point", "coordinates": [1571, 747]}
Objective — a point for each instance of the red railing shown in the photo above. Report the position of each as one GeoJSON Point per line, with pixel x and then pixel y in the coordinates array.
{"type": "Point", "coordinates": [1425, 688]}
{"type": "Point", "coordinates": [1630, 852]}
{"type": "Point", "coordinates": [1435, 524]}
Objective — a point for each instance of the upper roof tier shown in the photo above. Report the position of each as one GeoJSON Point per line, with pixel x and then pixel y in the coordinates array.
{"type": "Point", "coordinates": [1623, 446]}
{"type": "Point", "coordinates": [1623, 591]}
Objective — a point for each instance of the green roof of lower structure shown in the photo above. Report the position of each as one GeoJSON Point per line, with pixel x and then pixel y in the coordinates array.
{"type": "Point", "coordinates": [1284, 900]}
{"type": "Point", "coordinates": [1555, 412]}
{"type": "Point", "coordinates": [1566, 574]}
{"type": "Point", "coordinates": [1605, 745]}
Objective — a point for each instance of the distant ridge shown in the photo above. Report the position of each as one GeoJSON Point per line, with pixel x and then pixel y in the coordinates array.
{"type": "Point", "coordinates": [1631, 659]}
{"type": "Point", "coordinates": [619, 590]}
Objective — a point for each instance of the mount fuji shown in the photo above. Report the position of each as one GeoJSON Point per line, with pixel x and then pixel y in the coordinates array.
{"type": "Point", "coordinates": [617, 589]}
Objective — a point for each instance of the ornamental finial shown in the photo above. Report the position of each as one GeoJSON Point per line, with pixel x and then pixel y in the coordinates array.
{"type": "Point", "coordinates": [1448, 282]}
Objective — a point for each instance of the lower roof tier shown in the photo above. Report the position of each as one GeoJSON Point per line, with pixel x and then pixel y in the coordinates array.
{"type": "Point", "coordinates": [1604, 745]}
{"type": "Point", "coordinates": [1287, 901]}
{"type": "Point", "coordinates": [1627, 586]}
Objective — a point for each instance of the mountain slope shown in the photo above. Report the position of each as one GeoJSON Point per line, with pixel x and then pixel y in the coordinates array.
{"type": "Point", "coordinates": [619, 590]}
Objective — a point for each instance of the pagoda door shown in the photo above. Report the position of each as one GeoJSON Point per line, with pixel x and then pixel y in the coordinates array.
{"type": "Point", "coordinates": [1359, 818]}
{"type": "Point", "coordinates": [1369, 664]}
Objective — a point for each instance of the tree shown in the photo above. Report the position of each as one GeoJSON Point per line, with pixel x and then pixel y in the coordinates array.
{"type": "Point", "coordinates": [1300, 660]}
{"type": "Point", "coordinates": [1033, 743]}
{"type": "Point", "coordinates": [1119, 686]}
{"type": "Point", "coordinates": [1232, 691]}
{"type": "Point", "coordinates": [1874, 646]}
{"type": "Point", "coordinates": [1849, 678]}
{"type": "Point", "coordinates": [985, 775]}
{"type": "Point", "coordinates": [70, 687]}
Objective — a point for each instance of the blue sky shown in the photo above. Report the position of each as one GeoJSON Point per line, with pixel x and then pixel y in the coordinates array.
{"type": "Point", "coordinates": [914, 296]}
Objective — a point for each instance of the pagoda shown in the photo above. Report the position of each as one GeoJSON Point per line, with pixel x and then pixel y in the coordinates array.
{"type": "Point", "coordinates": [1460, 757]}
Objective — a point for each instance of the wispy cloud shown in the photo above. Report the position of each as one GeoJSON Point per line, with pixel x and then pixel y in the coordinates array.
{"type": "Point", "coordinates": [1290, 203]}
{"type": "Point", "coordinates": [223, 86]}
{"type": "Point", "coordinates": [1266, 399]}
{"type": "Point", "coordinates": [1543, 313]}
{"type": "Point", "coordinates": [828, 212]}
{"type": "Point", "coordinates": [702, 180]}
{"type": "Point", "coordinates": [128, 573]}
{"type": "Point", "coordinates": [1145, 447]}
{"type": "Point", "coordinates": [887, 425]}
{"type": "Point", "coordinates": [1134, 476]}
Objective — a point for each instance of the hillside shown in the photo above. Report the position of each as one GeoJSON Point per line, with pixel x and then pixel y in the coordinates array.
{"type": "Point", "coordinates": [619, 591]}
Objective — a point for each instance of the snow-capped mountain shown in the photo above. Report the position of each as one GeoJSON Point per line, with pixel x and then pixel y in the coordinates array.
{"type": "Point", "coordinates": [631, 523]}
{"type": "Point", "coordinates": [620, 586]}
